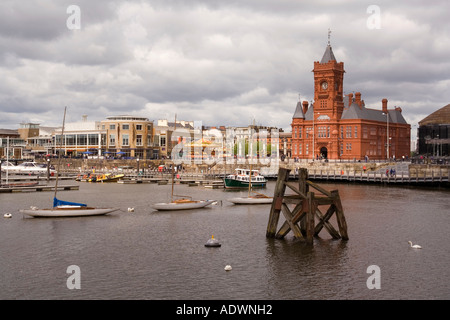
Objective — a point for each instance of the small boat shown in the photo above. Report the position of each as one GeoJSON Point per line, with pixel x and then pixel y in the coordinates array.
{"type": "Point", "coordinates": [67, 211]}
{"type": "Point", "coordinates": [242, 177]}
{"type": "Point", "coordinates": [19, 185]}
{"type": "Point", "coordinates": [182, 204]}
{"type": "Point", "coordinates": [109, 177]}
{"type": "Point", "coordinates": [31, 168]}
{"type": "Point", "coordinates": [256, 199]}
{"type": "Point", "coordinates": [65, 208]}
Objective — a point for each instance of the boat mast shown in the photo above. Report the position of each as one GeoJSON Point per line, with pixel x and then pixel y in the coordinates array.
{"type": "Point", "coordinates": [173, 163]}
{"type": "Point", "coordinates": [59, 154]}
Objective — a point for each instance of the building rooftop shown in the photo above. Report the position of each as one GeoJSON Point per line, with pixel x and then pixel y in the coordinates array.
{"type": "Point", "coordinates": [328, 55]}
{"type": "Point", "coordinates": [441, 116]}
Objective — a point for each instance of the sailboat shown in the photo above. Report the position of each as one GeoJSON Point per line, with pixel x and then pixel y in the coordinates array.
{"type": "Point", "coordinates": [181, 204]}
{"type": "Point", "coordinates": [63, 208]}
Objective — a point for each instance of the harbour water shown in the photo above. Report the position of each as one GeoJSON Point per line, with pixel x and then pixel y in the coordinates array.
{"type": "Point", "coordinates": [147, 254]}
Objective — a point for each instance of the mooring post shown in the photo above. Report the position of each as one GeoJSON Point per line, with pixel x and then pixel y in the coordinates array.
{"type": "Point", "coordinates": [280, 187]}
{"type": "Point", "coordinates": [301, 218]}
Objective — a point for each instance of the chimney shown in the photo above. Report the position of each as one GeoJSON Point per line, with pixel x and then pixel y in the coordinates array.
{"type": "Point", "coordinates": [350, 99]}
{"type": "Point", "coordinates": [305, 106]}
{"type": "Point", "coordinates": [358, 99]}
{"type": "Point", "coordinates": [384, 102]}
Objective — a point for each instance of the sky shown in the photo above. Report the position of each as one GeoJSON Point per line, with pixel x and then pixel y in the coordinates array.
{"type": "Point", "coordinates": [220, 62]}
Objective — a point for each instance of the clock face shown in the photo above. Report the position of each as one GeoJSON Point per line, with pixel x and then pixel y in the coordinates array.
{"type": "Point", "coordinates": [324, 85]}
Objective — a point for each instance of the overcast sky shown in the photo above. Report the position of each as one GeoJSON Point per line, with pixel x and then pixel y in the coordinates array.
{"type": "Point", "coordinates": [220, 62]}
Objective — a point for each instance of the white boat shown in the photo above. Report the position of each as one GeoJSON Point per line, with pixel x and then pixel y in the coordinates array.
{"type": "Point", "coordinates": [67, 211]}
{"type": "Point", "coordinates": [182, 204]}
{"type": "Point", "coordinates": [64, 208]}
{"type": "Point", "coordinates": [8, 167]}
{"type": "Point", "coordinates": [31, 168]}
{"type": "Point", "coordinates": [251, 200]}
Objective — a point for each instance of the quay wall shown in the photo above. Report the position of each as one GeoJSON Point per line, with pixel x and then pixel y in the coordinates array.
{"type": "Point", "coordinates": [103, 165]}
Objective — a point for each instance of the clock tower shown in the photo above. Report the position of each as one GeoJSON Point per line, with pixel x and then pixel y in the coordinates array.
{"type": "Point", "coordinates": [328, 86]}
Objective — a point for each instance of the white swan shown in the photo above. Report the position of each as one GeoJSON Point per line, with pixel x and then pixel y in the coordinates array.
{"type": "Point", "coordinates": [130, 209]}
{"type": "Point", "coordinates": [416, 246]}
{"type": "Point", "coordinates": [228, 267]}
{"type": "Point", "coordinates": [7, 215]}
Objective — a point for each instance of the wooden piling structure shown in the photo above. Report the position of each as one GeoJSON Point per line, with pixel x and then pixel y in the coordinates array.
{"type": "Point", "coordinates": [301, 219]}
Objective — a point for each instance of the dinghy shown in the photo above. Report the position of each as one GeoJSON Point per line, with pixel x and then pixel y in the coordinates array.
{"type": "Point", "coordinates": [183, 204]}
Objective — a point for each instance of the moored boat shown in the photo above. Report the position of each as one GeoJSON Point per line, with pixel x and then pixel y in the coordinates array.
{"type": "Point", "coordinates": [67, 211]}
{"type": "Point", "coordinates": [182, 204]}
{"type": "Point", "coordinates": [257, 199]}
{"type": "Point", "coordinates": [242, 177]}
{"type": "Point", "coordinates": [109, 177]}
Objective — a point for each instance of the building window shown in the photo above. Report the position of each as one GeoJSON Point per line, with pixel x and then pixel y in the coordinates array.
{"type": "Point", "coordinates": [307, 148]}
{"type": "Point", "coordinates": [162, 141]}
{"type": "Point", "coordinates": [139, 139]}
{"type": "Point", "coordinates": [125, 140]}
{"type": "Point", "coordinates": [112, 139]}
{"type": "Point", "coordinates": [300, 148]}
{"type": "Point", "coordinates": [139, 127]}
{"type": "Point", "coordinates": [300, 133]}
{"type": "Point", "coordinates": [125, 126]}
{"type": "Point", "coordinates": [356, 132]}
{"type": "Point", "coordinates": [328, 132]}
{"type": "Point", "coordinates": [323, 103]}
{"type": "Point", "coordinates": [112, 127]}
{"type": "Point", "coordinates": [348, 133]}
{"type": "Point", "coordinates": [342, 132]}
{"type": "Point", "coordinates": [364, 132]}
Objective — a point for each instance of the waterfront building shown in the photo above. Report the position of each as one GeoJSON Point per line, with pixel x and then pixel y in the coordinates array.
{"type": "Point", "coordinates": [335, 126]}
{"type": "Point", "coordinates": [129, 136]}
{"type": "Point", "coordinates": [79, 139]}
{"type": "Point", "coordinates": [163, 131]}
{"type": "Point", "coordinates": [433, 133]}
{"type": "Point", "coordinates": [16, 144]}
{"type": "Point", "coordinates": [285, 144]}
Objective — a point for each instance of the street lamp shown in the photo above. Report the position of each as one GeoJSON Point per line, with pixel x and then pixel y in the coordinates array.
{"type": "Point", "coordinates": [387, 134]}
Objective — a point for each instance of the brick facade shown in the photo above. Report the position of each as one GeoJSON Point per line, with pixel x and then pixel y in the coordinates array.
{"type": "Point", "coordinates": [341, 127]}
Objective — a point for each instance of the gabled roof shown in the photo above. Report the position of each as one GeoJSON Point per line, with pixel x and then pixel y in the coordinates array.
{"type": "Point", "coordinates": [355, 112]}
{"type": "Point", "coordinates": [328, 55]}
{"type": "Point", "coordinates": [298, 114]}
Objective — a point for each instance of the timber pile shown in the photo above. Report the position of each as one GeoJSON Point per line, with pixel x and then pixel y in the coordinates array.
{"type": "Point", "coordinates": [301, 219]}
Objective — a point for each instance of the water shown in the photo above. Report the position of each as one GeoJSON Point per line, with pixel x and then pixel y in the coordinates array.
{"type": "Point", "coordinates": [161, 255]}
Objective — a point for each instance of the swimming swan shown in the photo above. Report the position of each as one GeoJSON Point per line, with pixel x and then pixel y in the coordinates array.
{"type": "Point", "coordinates": [416, 246]}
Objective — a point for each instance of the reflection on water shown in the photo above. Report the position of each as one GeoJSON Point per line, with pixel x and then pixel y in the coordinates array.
{"type": "Point", "coordinates": [161, 255]}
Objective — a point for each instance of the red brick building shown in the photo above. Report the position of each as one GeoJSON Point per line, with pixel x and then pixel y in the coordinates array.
{"type": "Point", "coordinates": [341, 127]}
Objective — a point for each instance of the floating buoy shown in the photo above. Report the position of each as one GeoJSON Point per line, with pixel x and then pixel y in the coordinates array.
{"type": "Point", "coordinates": [228, 267]}
{"type": "Point", "coordinates": [7, 215]}
{"type": "Point", "coordinates": [130, 209]}
{"type": "Point", "coordinates": [212, 242]}
{"type": "Point", "coordinates": [415, 246]}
